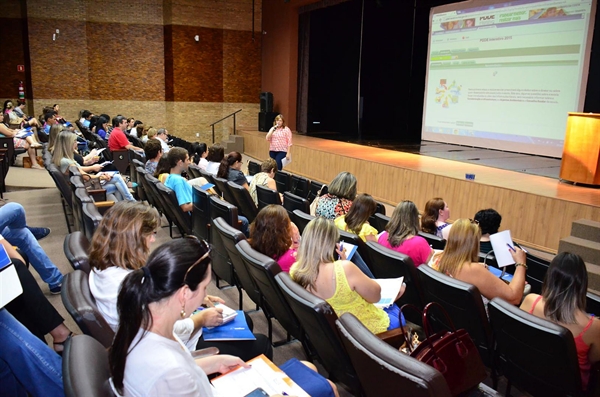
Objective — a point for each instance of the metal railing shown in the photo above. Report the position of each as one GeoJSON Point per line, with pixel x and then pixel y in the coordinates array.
{"type": "Point", "coordinates": [224, 118]}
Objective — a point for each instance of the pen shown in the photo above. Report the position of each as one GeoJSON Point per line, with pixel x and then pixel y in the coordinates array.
{"type": "Point", "coordinates": [341, 250]}
{"type": "Point", "coordinates": [511, 247]}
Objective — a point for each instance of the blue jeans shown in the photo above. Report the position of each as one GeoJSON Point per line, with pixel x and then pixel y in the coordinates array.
{"type": "Point", "coordinates": [360, 263]}
{"type": "Point", "coordinates": [12, 227]}
{"type": "Point", "coordinates": [245, 228]}
{"type": "Point", "coordinates": [27, 365]}
{"type": "Point", "coordinates": [117, 183]}
{"type": "Point", "coordinates": [278, 157]}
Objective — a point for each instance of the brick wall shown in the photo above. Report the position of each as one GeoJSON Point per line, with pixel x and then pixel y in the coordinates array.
{"type": "Point", "coordinates": [139, 58]}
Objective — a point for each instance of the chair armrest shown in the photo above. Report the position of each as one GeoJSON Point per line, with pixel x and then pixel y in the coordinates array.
{"type": "Point", "coordinates": [104, 206]}
{"type": "Point", "coordinates": [97, 195]}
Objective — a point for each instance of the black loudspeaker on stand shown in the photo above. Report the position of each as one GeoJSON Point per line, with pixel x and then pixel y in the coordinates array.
{"type": "Point", "coordinates": [266, 102]}
{"type": "Point", "coordinates": [265, 120]}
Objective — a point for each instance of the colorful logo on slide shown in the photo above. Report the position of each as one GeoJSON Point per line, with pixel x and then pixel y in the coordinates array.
{"type": "Point", "coordinates": [447, 94]}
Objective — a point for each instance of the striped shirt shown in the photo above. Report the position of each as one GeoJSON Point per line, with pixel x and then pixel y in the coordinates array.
{"type": "Point", "coordinates": [280, 140]}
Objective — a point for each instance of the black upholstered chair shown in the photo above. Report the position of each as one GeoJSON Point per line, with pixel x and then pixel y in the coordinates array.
{"type": "Point", "coordinates": [162, 201]}
{"type": "Point", "coordinates": [362, 248]}
{"type": "Point", "coordinates": [301, 219]}
{"type": "Point", "coordinates": [293, 202]}
{"type": "Point", "coordinates": [80, 304]}
{"type": "Point", "coordinates": [318, 320]}
{"type": "Point", "coordinates": [299, 186]}
{"type": "Point", "coordinates": [316, 189]}
{"type": "Point", "coordinates": [136, 164]}
{"type": "Point", "coordinates": [267, 196]}
{"type": "Point", "coordinates": [536, 355]}
{"type": "Point", "coordinates": [85, 368]}
{"type": "Point", "coordinates": [383, 370]}
{"type": "Point", "coordinates": [244, 200]}
{"type": "Point", "coordinates": [201, 213]}
{"type": "Point", "coordinates": [592, 304]}
{"type": "Point", "coordinates": [282, 180]}
{"type": "Point", "coordinates": [91, 219]}
{"type": "Point", "coordinates": [221, 265]}
{"type": "Point", "coordinates": [65, 192]}
{"type": "Point", "coordinates": [263, 270]}
{"type": "Point", "coordinates": [194, 171]}
{"type": "Point", "coordinates": [148, 192]}
{"type": "Point", "coordinates": [230, 236]}
{"type": "Point", "coordinates": [379, 221]}
{"type": "Point", "coordinates": [536, 271]}
{"type": "Point", "coordinates": [76, 247]}
{"type": "Point", "coordinates": [152, 193]}
{"type": "Point", "coordinates": [182, 219]}
{"type": "Point", "coordinates": [437, 243]}
{"type": "Point", "coordinates": [120, 160]}
{"type": "Point", "coordinates": [464, 305]}
{"type": "Point", "coordinates": [225, 191]}
{"type": "Point", "coordinates": [253, 167]}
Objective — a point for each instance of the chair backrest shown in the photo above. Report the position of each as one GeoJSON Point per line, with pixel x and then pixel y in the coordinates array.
{"type": "Point", "coordinates": [79, 196]}
{"type": "Point", "coordinates": [152, 190]}
{"type": "Point", "coordinates": [230, 236]}
{"type": "Point", "coordinates": [140, 178]}
{"type": "Point", "coordinates": [263, 271]}
{"type": "Point", "coordinates": [282, 180]}
{"type": "Point", "coordinates": [437, 243]}
{"type": "Point", "coordinates": [91, 219]}
{"type": "Point", "coordinates": [253, 167]}
{"type": "Point", "coordinates": [135, 141]}
{"type": "Point", "coordinates": [362, 248]}
{"type": "Point", "coordinates": [299, 186]}
{"type": "Point", "coordinates": [388, 263]}
{"type": "Point", "coordinates": [383, 370]}
{"type": "Point", "coordinates": [80, 304]}
{"type": "Point", "coordinates": [182, 219]}
{"type": "Point", "coordinates": [165, 202]}
{"type": "Point", "coordinates": [379, 221]}
{"type": "Point", "coordinates": [76, 248]}
{"type": "Point", "coordinates": [380, 208]}
{"type": "Point", "coordinates": [301, 219]}
{"type": "Point", "coordinates": [9, 145]}
{"type": "Point", "coordinates": [148, 193]}
{"type": "Point", "coordinates": [121, 160]}
{"type": "Point", "coordinates": [318, 320]}
{"type": "Point", "coordinates": [244, 200]}
{"type": "Point", "coordinates": [225, 191]}
{"type": "Point", "coordinates": [592, 304]}
{"type": "Point", "coordinates": [220, 258]}
{"type": "Point", "coordinates": [314, 189]}
{"type": "Point", "coordinates": [536, 271]}
{"type": "Point", "coordinates": [464, 305]}
{"type": "Point", "coordinates": [293, 202]}
{"type": "Point", "coordinates": [266, 196]}
{"type": "Point", "coordinates": [61, 183]}
{"type": "Point", "coordinates": [194, 171]}
{"type": "Point", "coordinates": [137, 155]}
{"type": "Point", "coordinates": [85, 368]}
{"type": "Point", "coordinates": [201, 213]}
{"type": "Point", "coordinates": [534, 354]}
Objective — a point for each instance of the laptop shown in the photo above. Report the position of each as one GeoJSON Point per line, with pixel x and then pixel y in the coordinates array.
{"type": "Point", "coordinates": [10, 285]}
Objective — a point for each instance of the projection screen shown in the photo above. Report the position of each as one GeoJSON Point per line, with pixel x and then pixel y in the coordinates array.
{"type": "Point", "coordinates": [504, 74]}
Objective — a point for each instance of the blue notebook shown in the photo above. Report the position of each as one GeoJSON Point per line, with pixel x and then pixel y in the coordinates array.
{"type": "Point", "coordinates": [234, 330]}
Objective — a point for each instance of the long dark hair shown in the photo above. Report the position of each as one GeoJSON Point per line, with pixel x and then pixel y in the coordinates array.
{"type": "Point", "coordinates": [172, 265]}
{"type": "Point", "coordinates": [362, 208]}
{"type": "Point", "coordinates": [565, 287]}
{"type": "Point", "coordinates": [227, 162]}
{"type": "Point", "coordinates": [404, 223]}
{"type": "Point", "coordinates": [431, 214]}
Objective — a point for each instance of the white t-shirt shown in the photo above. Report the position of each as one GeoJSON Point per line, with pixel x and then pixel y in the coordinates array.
{"type": "Point", "coordinates": [212, 167]}
{"type": "Point", "coordinates": [105, 285]}
{"type": "Point", "coordinates": [203, 163]}
{"type": "Point", "coordinates": [158, 366]}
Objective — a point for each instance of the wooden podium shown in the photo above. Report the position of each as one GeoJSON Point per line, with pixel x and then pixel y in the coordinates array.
{"type": "Point", "coordinates": [581, 153]}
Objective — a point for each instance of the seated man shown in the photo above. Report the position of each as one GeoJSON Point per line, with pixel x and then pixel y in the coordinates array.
{"type": "Point", "coordinates": [27, 143]}
{"type": "Point", "coordinates": [153, 150]}
{"type": "Point", "coordinates": [179, 160]}
{"type": "Point", "coordinates": [13, 228]}
{"type": "Point", "coordinates": [162, 136]}
{"type": "Point", "coordinates": [117, 139]}
{"type": "Point", "coordinates": [49, 121]}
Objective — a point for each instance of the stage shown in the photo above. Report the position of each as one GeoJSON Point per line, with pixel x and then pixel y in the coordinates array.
{"type": "Point", "coordinates": [538, 210]}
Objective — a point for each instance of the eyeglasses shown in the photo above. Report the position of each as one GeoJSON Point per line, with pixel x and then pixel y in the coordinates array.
{"type": "Point", "coordinates": [206, 255]}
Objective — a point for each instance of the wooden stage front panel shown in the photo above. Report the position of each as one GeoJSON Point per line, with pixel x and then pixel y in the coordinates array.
{"type": "Point", "coordinates": [537, 210]}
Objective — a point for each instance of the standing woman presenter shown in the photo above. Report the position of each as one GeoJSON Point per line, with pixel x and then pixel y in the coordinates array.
{"type": "Point", "coordinates": [280, 141]}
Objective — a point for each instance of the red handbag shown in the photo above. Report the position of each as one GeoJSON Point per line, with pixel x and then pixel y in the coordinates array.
{"type": "Point", "coordinates": [453, 353]}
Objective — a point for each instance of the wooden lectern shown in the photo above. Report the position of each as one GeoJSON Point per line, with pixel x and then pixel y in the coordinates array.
{"type": "Point", "coordinates": [581, 153]}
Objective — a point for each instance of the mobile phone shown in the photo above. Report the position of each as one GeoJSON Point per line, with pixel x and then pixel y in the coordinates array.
{"type": "Point", "coordinates": [257, 393]}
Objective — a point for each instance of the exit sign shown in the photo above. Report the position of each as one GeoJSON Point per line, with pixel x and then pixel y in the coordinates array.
{"type": "Point", "coordinates": [20, 68]}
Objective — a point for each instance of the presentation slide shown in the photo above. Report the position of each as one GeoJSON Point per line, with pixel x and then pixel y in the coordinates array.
{"type": "Point", "coordinates": [504, 75]}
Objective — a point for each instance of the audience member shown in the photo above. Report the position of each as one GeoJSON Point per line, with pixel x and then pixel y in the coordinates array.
{"type": "Point", "coordinates": [401, 234]}
{"type": "Point", "coordinates": [341, 283]}
{"type": "Point", "coordinates": [136, 129]}
{"type": "Point", "coordinates": [280, 141]}
{"type": "Point", "coordinates": [230, 169]}
{"type": "Point", "coordinates": [200, 151]}
{"type": "Point", "coordinates": [101, 127]}
{"type": "Point", "coordinates": [460, 261]}
{"type": "Point", "coordinates": [357, 219]}
{"type": "Point", "coordinates": [151, 133]}
{"type": "Point", "coordinates": [117, 139]}
{"type": "Point", "coordinates": [489, 222]}
{"type": "Point", "coordinates": [434, 218]}
{"type": "Point", "coordinates": [27, 143]}
{"type": "Point", "coordinates": [153, 151]}
{"type": "Point", "coordinates": [17, 115]}
{"type": "Point", "coordinates": [49, 121]}
{"type": "Point", "coordinates": [563, 302]}
{"type": "Point", "coordinates": [338, 200]}
{"type": "Point", "coordinates": [268, 168]}
{"type": "Point", "coordinates": [85, 117]}
{"type": "Point", "coordinates": [179, 160]}
{"type": "Point", "coordinates": [52, 137]}
{"type": "Point", "coordinates": [216, 153]}
{"type": "Point", "coordinates": [144, 133]}
{"type": "Point", "coordinates": [162, 136]}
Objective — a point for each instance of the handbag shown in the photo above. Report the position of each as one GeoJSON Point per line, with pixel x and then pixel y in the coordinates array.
{"type": "Point", "coordinates": [315, 202]}
{"type": "Point", "coordinates": [91, 183]}
{"type": "Point", "coordinates": [453, 353]}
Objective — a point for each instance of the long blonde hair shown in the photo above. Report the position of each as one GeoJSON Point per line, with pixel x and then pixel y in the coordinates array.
{"type": "Point", "coordinates": [63, 147]}
{"type": "Point", "coordinates": [317, 246]}
{"type": "Point", "coordinates": [462, 246]}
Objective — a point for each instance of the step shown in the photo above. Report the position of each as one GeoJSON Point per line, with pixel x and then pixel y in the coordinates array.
{"type": "Point", "coordinates": [593, 277]}
{"type": "Point", "coordinates": [587, 229]}
{"type": "Point", "coordinates": [235, 143]}
{"type": "Point", "coordinates": [587, 249]}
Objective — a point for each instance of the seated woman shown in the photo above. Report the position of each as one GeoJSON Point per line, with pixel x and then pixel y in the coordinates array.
{"type": "Point", "coordinates": [401, 234]}
{"type": "Point", "coordinates": [434, 218]}
{"type": "Point", "coordinates": [563, 302]}
{"type": "Point", "coordinates": [230, 169]}
{"type": "Point", "coordinates": [338, 200]}
{"type": "Point", "coordinates": [357, 219]}
{"type": "Point", "coordinates": [101, 126]}
{"type": "Point", "coordinates": [147, 357]}
{"type": "Point", "coordinates": [273, 234]}
{"type": "Point", "coordinates": [268, 168]}
{"type": "Point", "coordinates": [341, 283]}
{"type": "Point", "coordinates": [489, 223]}
{"type": "Point", "coordinates": [62, 157]}
{"type": "Point", "coordinates": [200, 151]}
{"type": "Point", "coordinates": [121, 245]}
{"type": "Point", "coordinates": [215, 155]}
{"type": "Point", "coordinates": [460, 261]}
{"type": "Point", "coordinates": [27, 143]}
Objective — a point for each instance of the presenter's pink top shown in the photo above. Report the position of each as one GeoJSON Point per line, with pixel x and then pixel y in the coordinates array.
{"type": "Point", "coordinates": [281, 140]}
{"type": "Point", "coordinates": [416, 248]}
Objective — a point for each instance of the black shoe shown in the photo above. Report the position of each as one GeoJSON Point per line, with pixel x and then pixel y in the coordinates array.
{"type": "Point", "coordinates": [39, 232]}
{"type": "Point", "coordinates": [56, 290]}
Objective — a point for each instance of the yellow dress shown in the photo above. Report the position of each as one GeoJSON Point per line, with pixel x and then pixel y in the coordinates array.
{"type": "Point", "coordinates": [365, 230]}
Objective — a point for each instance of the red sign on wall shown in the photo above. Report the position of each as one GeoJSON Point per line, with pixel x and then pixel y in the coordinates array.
{"type": "Point", "coordinates": [20, 68]}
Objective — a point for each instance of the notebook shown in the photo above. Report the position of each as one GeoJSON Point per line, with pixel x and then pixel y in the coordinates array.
{"type": "Point", "coordinates": [10, 285]}
{"type": "Point", "coordinates": [236, 329]}
{"type": "Point", "coordinates": [390, 287]}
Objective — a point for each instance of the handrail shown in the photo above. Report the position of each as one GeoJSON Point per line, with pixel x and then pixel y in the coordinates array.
{"type": "Point", "coordinates": [218, 121]}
